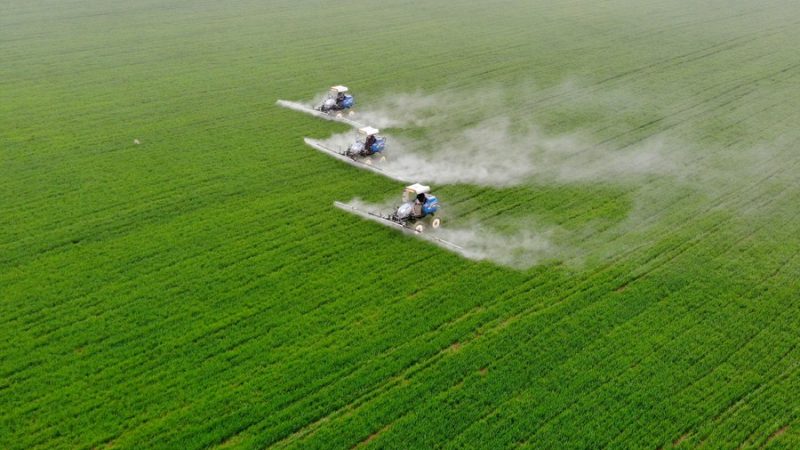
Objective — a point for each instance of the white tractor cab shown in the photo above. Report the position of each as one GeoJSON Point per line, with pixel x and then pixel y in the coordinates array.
{"type": "Point", "coordinates": [338, 100]}
{"type": "Point", "coordinates": [419, 207]}
{"type": "Point", "coordinates": [368, 144]}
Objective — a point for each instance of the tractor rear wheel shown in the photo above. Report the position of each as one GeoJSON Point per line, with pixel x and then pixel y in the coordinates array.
{"type": "Point", "coordinates": [419, 228]}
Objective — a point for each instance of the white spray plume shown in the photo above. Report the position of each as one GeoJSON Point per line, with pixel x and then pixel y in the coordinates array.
{"type": "Point", "coordinates": [519, 250]}
{"type": "Point", "coordinates": [477, 139]}
{"type": "Point", "coordinates": [405, 110]}
{"type": "Point", "coordinates": [492, 154]}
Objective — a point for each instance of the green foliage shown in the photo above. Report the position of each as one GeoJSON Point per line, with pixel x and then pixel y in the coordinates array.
{"type": "Point", "coordinates": [199, 290]}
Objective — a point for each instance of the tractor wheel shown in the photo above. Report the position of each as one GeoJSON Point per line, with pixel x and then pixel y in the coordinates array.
{"type": "Point", "coordinates": [436, 223]}
{"type": "Point", "coordinates": [419, 228]}
{"type": "Point", "coordinates": [368, 161]}
{"type": "Point", "coordinates": [338, 115]}
{"type": "Point", "coordinates": [351, 113]}
{"type": "Point", "coordinates": [383, 158]}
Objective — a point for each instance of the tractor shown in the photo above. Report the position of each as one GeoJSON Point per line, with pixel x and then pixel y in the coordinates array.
{"type": "Point", "coordinates": [337, 101]}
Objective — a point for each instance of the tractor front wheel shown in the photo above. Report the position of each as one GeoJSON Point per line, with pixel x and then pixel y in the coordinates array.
{"type": "Point", "coordinates": [437, 222]}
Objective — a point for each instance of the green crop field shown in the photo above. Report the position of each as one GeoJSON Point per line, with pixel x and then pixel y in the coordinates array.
{"type": "Point", "coordinates": [635, 285]}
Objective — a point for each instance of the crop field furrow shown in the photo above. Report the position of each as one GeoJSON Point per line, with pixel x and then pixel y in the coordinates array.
{"type": "Point", "coordinates": [730, 411]}
{"type": "Point", "coordinates": [760, 394]}
{"type": "Point", "coordinates": [753, 386]}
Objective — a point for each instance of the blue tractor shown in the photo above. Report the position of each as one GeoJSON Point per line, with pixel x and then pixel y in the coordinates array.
{"type": "Point", "coordinates": [418, 209]}
{"type": "Point", "coordinates": [368, 145]}
{"type": "Point", "coordinates": [337, 101]}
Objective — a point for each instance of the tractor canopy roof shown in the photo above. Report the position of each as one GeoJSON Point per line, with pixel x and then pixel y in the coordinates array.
{"type": "Point", "coordinates": [368, 131]}
{"type": "Point", "coordinates": [339, 89]}
{"type": "Point", "coordinates": [417, 188]}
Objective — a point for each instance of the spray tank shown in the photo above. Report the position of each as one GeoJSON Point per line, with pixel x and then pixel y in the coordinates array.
{"type": "Point", "coordinates": [404, 211]}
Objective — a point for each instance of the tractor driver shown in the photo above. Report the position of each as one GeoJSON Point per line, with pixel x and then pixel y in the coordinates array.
{"type": "Point", "coordinates": [339, 98]}
{"type": "Point", "coordinates": [368, 144]}
{"type": "Point", "coordinates": [421, 199]}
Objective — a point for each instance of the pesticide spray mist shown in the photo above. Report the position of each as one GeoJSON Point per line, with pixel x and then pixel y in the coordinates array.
{"type": "Point", "coordinates": [475, 241]}
{"type": "Point", "coordinates": [492, 154]}
{"type": "Point", "coordinates": [475, 140]}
